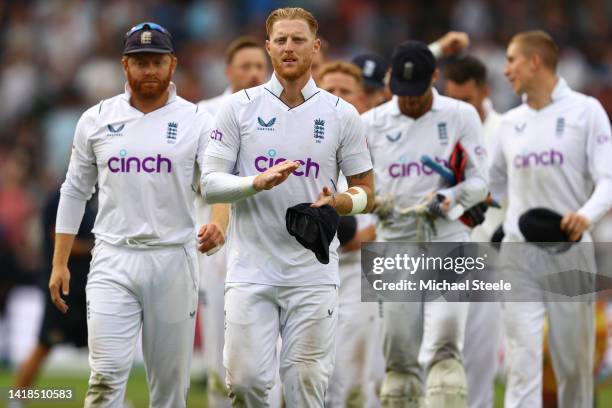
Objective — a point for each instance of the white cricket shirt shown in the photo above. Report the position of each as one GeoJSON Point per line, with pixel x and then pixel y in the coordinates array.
{"type": "Point", "coordinates": [553, 158]}
{"type": "Point", "coordinates": [397, 143]}
{"type": "Point", "coordinates": [144, 165]}
{"type": "Point", "coordinates": [256, 130]}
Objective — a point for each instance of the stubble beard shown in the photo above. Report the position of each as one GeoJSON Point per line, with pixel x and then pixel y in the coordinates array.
{"type": "Point", "coordinates": [303, 66]}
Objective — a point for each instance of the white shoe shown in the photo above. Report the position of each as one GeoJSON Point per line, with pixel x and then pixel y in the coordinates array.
{"type": "Point", "coordinates": [446, 385]}
{"type": "Point", "coordinates": [401, 390]}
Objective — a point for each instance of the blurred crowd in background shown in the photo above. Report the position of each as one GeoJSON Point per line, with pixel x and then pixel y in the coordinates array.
{"type": "Point", "coordinates": [59, 57]}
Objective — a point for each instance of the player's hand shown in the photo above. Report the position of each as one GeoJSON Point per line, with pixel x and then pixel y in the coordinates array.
{"type": "Point", "coordinates": [437, 207]}
{"type": "Point", "coordinates": [384, 205]}
{"type": "Point", "coordinates": [574, 225]}
{"type": "Point", "coordinates": [326, 196]}
{"type": "Point", "coordinates": [453, 42]}
{"type": "Point", "coordinates": [210, 236]}
{"type": "Point", "coordinates": [275, 175]}
{"type": "Point", "coordinates": [60, 280]}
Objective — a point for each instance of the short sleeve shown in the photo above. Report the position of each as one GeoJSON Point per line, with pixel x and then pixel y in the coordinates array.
{"type": "Point", "coordinates": [353, 154]}
{"type": "Point", "coordinates": [224, 138]}
{"type": "Point", "coordinates": [82, 172]}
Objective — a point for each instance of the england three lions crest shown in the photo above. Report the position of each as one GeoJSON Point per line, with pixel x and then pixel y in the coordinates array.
{"type": "Point", "coordinates": [172, 132]}
{"type": "Point", "coordinates": [319, 130]}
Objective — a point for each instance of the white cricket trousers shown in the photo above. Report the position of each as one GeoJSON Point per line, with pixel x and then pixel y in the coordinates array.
{"type": "Point", "coordinates": [480, 352]}
{"type": "Point", "coordinates": [416, 335]}
{"type": "Point", "coordinates": [420, 334]}
{"type": "Point", "coordinates": [305, 317]}
{"type": "Point", "coordinates": [571, 333]}
{"type": "Point", "coordinates": [357, 331]}
{"type": "Point", "coordinates": [129, 289]}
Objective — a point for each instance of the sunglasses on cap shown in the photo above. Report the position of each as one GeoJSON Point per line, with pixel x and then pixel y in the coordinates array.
{"type": "Point", "coordinates": [150, 26]}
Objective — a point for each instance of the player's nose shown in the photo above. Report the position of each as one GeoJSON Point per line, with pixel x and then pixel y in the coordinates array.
{"type": "Point", "coordinates": [289, 45]}
{"type": "Point", "coordinates": [149, 70]}
{"type": "Point", "coordinates": [507, 70]}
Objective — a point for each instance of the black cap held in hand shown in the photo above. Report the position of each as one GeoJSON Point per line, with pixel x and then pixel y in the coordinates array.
{"type": "Point", "coordinates": [314, 228]}
{"type": "Point", "coordinates": [542, 225]}
{"type": "Point", "coordinates": [148, 37]}
{"type": "Point", "coordinates": [412, 67]}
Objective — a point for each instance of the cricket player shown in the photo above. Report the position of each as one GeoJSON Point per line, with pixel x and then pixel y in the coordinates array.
{"type": "Point", "coordinates": [553, 151]}
{"type": "Point", "coordinates": [246, 67]}
{"type": "Point", "coordinates": [292, 138]}
{"type": "Point", "coordinates": [415, 122]}
{"type": "Point", "coordinates": [357, 321]}
{"type": "Point", "coordinates": [375, 68]}
{"type": "Point", "coordinates": [466, 80]}
{"type": "Point", "coordinates": [142, 147]}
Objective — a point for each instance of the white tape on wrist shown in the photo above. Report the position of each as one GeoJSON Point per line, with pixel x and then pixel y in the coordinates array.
{"type": "Point", "coordinates": [455, 212]}
{"type": "Point", "coordinates": [360, 201]}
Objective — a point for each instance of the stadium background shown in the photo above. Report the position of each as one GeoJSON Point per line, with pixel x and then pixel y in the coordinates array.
{"type": "Point", "coordinates": [59, 57]}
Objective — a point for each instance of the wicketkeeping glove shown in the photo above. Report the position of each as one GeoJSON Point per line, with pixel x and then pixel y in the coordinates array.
{"type": "Point", "coordinates": [383, 205]}
{"type": "Point", "coordinates": [456, 164]}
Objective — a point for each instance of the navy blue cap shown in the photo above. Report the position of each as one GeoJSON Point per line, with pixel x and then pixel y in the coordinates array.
{"type": "Point", "coordinates": [412, 67]}
{"type": "Point", "coordinates": [314, 228]}
{"type": "Point", "coordinates": [148, 37]}
{"type": "Point", "coordinates": [542, 225]}
{"type": "Point", "coordinates": [373, 69]}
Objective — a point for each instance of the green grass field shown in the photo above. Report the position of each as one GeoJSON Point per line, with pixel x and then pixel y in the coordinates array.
{"type": "Point", "coordinates": [137, 394]}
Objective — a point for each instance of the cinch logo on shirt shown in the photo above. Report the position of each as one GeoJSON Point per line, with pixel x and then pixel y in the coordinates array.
{"type": "Point", "coordinates": [409, 169]}
{"type": "Point", "coordinates": [124, 164]}
{"type": "Point", "coordinates": [545, 158]}
{"type": "Point", "coordinates": [480, 151]}
{"type": "Point", "coordinates": [308, 167]}
{"type": "Point", "coordinates": [216, 135]}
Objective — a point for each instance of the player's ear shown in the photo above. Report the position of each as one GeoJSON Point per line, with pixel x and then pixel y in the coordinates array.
{"type": "Point", "coordinates": [268, 47]}
{"type": "Point", "coordinates": [535, 61]}
{"type": "Point", "coordinates": [435, 76]}
{"type": "Point", "coordinates": [124, 63]}
{"type": "Point", "coordinates": [173, 63]}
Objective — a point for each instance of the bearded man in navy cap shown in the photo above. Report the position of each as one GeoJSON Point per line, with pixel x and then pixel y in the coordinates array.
{"type": "Point", "coordinates": [142, 148]}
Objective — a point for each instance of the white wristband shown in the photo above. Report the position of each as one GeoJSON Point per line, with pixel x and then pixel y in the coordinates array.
{"type": "Point", "coordinates": [360, 201]}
